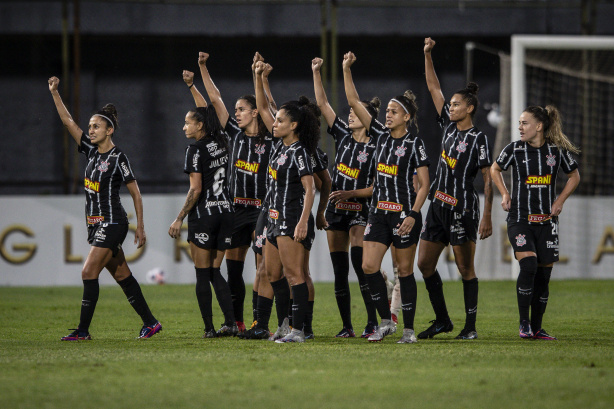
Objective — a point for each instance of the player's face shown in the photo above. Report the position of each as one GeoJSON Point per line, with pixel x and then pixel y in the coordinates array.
{"type": "Point", "coordinates": [192, 128]}
{"type": "Point", "coordinates": [459, 110]}
{"type": "Point", "coordinates": [528, 127]}
{"type": "Point", "coordinates": [244, 113]}
{"type": "Point", "coordinates": [282, 126]}
{"type": "Point", "coordinates": [396, 116]}
{"type": "Point", "coordinates": [98, 129]}
{"type": "Point", "coordinates": [353, 121]}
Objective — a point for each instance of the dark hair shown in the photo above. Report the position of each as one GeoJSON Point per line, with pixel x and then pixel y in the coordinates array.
{"type": "Point", "coordinates": [373, 106]}
{"type": "Point", "coordinates": [262, 129]}
{"type": "Point", "coordinates": [408, 101]}
{"type": "Point", "coordinates": [109, 112]}
{"type": "Point", "coordinates": [553, 128]}
{"type": "Point", "coordinates": [211, 124]}
{"type": "Point", "coordinates": [305, 113]}
{"type": "Point", "coordinates": [470, 96]}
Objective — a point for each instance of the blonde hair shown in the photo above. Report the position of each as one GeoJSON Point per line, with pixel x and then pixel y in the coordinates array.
{"type": "Point", "coordinates": [550, 117]}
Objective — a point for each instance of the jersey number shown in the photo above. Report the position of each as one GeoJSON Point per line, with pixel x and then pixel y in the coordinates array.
{"type": "Point", "coordinates": [555, 229]}
{"type": "Point", "coordinates": [218, 181]}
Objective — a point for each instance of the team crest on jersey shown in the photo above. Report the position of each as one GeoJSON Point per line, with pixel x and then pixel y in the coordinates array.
{"type": "Point", "coordinates": [400, 152]}
{"type": "Point", "coordinates": [520, 240]}
{"type": "Point", "coordinates": [260, 149]}
{"type": "Point", "coordinates": [103, 166]}
{"type": "Point", "coordinates": [362, 157]}
{"type": "Point", "coordinates": [462, 146]}
{"type": "Point", "coordinates": [282, 159]}
{"type": "Point", "coordinates": [550, 160]}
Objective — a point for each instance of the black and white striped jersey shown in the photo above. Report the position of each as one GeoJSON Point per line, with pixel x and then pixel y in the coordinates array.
{"type": "Point", "coordinates": [249, 160]}
{"type": "Point", "coordinates": [319, 161]}
{"type": "Point", "coordinates": [534, 179]}
{"type": "Point", "coordinates": [210, 159]}
{"type": "Point", "coordinates": [463, 153]}
{"type": "Point", "coordinates": [286, 168]}
{"type": "Point", "coordinates": [353, 168]}
{"type": "Point", "coordinates": [104, 174]}
{"type": "Point", "coordinates": [395, 162]}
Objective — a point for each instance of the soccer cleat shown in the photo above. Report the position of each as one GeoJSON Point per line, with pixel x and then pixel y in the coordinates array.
{"type": "Point", "coordinates": [282, 330]}
{"type": "Point", "coordinates": [77, 335]}
{"type": "Point", "coordinates": [241, 326]}
{"type": "Point", "coordinates": [309, 335]}
{"type": "Point", "coordinates": [346, 333]}
{"type": "Point", "coordinates": [467, 334]}
{"type": "Point", "coordinates": [150, 331]}
{"type": "Point", "coordinates": [210, 334]}
{"type": "Point", "coordinates": [386, 327]}
{"type": "Point", "coordinates": [369, 329]}
{"type": "Point", "coordinates": [294, 336]}
{"type": "Point", "coordinates": [395, 318]}
{"type": "Point", "coordinates": [256, 333]}
{"type": "Point", "coordinates": [228, 331]}
{"type": "Point", "coordinates": [437, 328]}
{"type": "Point", "coordinates": [543, 335]}
{"type": "Point", "coordinates": [409, 337]}
{"type": "Point", "coordinates": [524, 330]}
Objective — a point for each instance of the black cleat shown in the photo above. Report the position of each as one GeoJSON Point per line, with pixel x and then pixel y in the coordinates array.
{"type": "Point", "coordinates": [437, 328]}
{"type": "Point", "coordinates": [524, 330]}
{"type": "Point", "coordinates": [210, 334]}
{"type": "Point", "coordinates": [257, 333]}
{"type": "Point", "coordinates": [467, 334]}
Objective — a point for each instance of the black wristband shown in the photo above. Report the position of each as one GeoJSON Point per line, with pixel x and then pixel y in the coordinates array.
{"type": "Point", "coordinates": [414, 214]}
{"type": "Point", "coordinates": [190, 86]}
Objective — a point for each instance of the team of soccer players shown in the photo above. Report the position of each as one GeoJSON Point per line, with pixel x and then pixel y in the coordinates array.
{"type": "Point", "coordinates": [253, 180]}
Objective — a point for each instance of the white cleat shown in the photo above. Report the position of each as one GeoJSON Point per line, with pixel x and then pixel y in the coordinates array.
{"type": "Point", "coordinates": [294, 336]}
{"type": "Point", "coordinates": [282, 331]}
{"type": "Point", "coordinates": [409, 337]}
{"type": "Point", "coordinates": [386, 327]}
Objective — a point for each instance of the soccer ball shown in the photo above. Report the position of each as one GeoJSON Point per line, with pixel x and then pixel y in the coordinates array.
{"type": "Point", "coordinates": [156, 276]}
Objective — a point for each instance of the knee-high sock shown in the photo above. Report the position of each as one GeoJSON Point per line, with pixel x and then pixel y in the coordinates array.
{"type": "Point", "coordinates": [135, 297]}
{"type": "Point", "coordinates": [282, 298]}
{"type": "Point", "coordinates": [356, 255]}
{"type": "Point", "coordinates": [91, 290]}
{"type": "Point", "coordinates": [540, 297]}
{"type": "Point", "coordinates": [308, 325]}
{"type": "Point", "coordinates": [265, 306]}
{"type": "Point", "coordinates": [409, 295]}
{"type": "Point", "coordinates": [237, 286]}
{"type": "Point", "coordinates": [525, 285]}
{"type": "Point", "coordinates": [204, 296]}
{"type": "Point", "coordinates": [434, 286]}
{"type": "Point", "coordinates": [300, 295]}
{"type": "Point", "coordinates": [341, 268]}
{"type": "Point", "coordinates": [255, 305]}
{"type": "Point", "coordinates": [222, 293]}
{"type": "Point", "coordinates": [379, 294]}
{"type": "Point", "coordinates": [470, 292]}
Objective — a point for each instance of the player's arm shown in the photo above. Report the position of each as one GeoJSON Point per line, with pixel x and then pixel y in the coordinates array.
{"type": "Point", "coordinates": [65, 116]}
{"type": "Point", "coordinates": [267, 88]}
{"type": "Point", "coordinates": [431, 78]}
{"type": "Point", "coordinates": [572, 183]}
{"type": "Point", "coordinates": [485, 229]}
{"type": "Point", "coordinates": [497, 178]}
{"type": "Point", "coordinates": [324, 186]}
{"type": "Point", "coordinates": [214, 94]}
{"type": "Point", "coordinates": [351, 93]}
{"type": "Point", "coordinates": [261, 99]}
{"type": "Point", "coordinates": [192, 197]}
{"type": "Point", "coordinates": [321, 99]}
{"type": "Point", "coordinates": [343, 195]}
{"type": "Point", "coordinates": [139, 235]}
{"type": "Point", "coordinates": [188, 78]}
{"type": "Point", "coordinates": [300, 232]}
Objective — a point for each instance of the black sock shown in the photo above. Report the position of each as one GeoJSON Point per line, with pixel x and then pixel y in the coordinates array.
{"type": "Point", "coordinates": [540, 297]}
{"type": "Point", "coordinates": [300, 295]}
{"type": "Point", "coordinates": [470, 292]}
{"type": "Point", "coordinates": [255, 304]}
{"type": "Point", "coordinates": [222, 293]}
{"type": "Point", "coordinates": [409, 295]}
{"type": "Point", "coordinates": [265, 306]}
{"type": "Point", "coordinates": [379, 294]}
{"type": "Point", "coordinates": [524, 286]}
{"type": "Point", "coordinates": [307, 326]}
{"type": "Point", "coordinates": [91, 289]}
{"type": "Point", "coordinates": [237, 286]}
{"type": "Point", "coordinates": [135, 297]}
{"type": "Point", "coordinates": [356, 255]}
{"type": "Point", "coordinates": [290, 304]}
{"type": "Point", "coordinates": [341, 268]}
{"type": "Point", "coordinates": [282, 299]}
{"type": "Point", "coordinates": [204, 297]}
{"type": "Point", "coordinates": [434, 286]}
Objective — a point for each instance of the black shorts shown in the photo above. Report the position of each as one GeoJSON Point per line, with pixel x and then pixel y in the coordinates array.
{"type": "Point", "coordinates": [383, 228]}
{"type": "Point", "coordinates": [108, 236]}
{"type": "Point", "coordinates": [245, 219]}
{"type": "Point", "coordinates": [542, 239]}
{"type": "Point", "coordinates": [449, 227]}
{"type": "Point", "coordinates": [280, 227]}
{"type": "Point", "coordinates": [343, 222]}
{"type": "Point", "coordinates": [260, 232]}
{"type": "Point", "coordinates": [211, 232]}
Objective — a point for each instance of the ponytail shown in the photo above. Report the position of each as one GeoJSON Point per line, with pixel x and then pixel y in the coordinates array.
{"type": "Point", "coordinates": [306, 114]}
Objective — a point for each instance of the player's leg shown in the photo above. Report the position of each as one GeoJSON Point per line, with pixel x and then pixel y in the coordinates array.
{"type": "Point", "coordinates": [464, 255]}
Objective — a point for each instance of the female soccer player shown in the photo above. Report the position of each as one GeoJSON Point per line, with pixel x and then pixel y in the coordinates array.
{"type": "Point", "coordinates": [107, 223]}
{"type": "Point", "coordinates": [348, 208]}
{"type": "Point", "coordinates": [532, 221]}
{"type": "Point", "coordinates": [394, 216]}
{"type": "Point", "coordinates": [210, 214]}
{"type": "Point", "coordinates": [454, 213]}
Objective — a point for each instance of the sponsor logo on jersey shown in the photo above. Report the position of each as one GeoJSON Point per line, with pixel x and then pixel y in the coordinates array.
{"type": "Point", "coordinates": [571, 161]}
{"type": "Point", "coordinates": [422, 153]}
{"type": "Point", "coordinates": [313, 162]}
{"type": "Point", "coordinates": [502, 156]}
{"type": "Point", "coordinates": [227, 240]}
{"type": "Point", "coordinates": [346, 170]}
{"type": "Point", "coordinates": [247, 201]}
{"type": "Point", "coordinates": [201, 237]}
{"type": "Point", "coordinates": [260, 149]}
{"type": "Point", "coordinates": [351, 206]}
{"type": "Point", "coordinates": [520, 240]}
{"type": "Point", "coordinates": [536, 218]}
{"type": "Point", "coordinates": [282, 159]}
{"type": "Point", "coordinates": [195, 160]}
{"type": "Point", "coordinates": [450, 161]}
{"type": "Point", "coordinates": [211, 146]}
{"type": "Point", "coordinates": [273, 173]}
{"type": "Point", "coordinates": [103, 166]}
{"type": "Point", "coordinates": [387, 169]}
{"type": "Point", "coordinates": [400, 151]}
{"type": "Point", "coordinates": [125, 169]}
{"type": "Point", "coordinates": [389, 206]}
{"type": "Point", "coordinates": [249, 167]}
{"type": "Point", "coordinates": [273, 214]}
{"type": "Point", "coordinates": [552, 244]}
{"type": "Point", "coordinates": [100, 235]}
{"type": "Point", "coordinates": [90, 185]}
{"type": "Point", "coordinates": [538, 180]}
{"type": "Point", "coordinates": [362, 156]}
{"type": "Point", "coordinates": [550, 160]}
{"type": "Point", "coordinates": [482, 152]}
{"type": "Point", "coordinates": [215, 203]}
{"type": "Point", "coordinates": [94, 219]}
{"type": "Point", "coordinates": [446, 198]}
{"type": "Point", "coordinates": [462, 146]}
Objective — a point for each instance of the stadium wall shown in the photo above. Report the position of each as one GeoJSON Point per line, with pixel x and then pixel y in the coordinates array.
{"type": "Point", "coordinates": [43, 243]}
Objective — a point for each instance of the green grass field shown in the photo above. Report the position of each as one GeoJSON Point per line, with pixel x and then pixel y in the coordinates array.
{"type": "Point", "coordinates": [178, 369]}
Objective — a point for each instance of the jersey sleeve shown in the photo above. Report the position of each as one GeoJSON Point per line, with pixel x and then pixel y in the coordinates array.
{"type": "Point", "coordinates": [192, 160]}
{"type": "Point", "coordinates": [484, 156]}
{"type": "Point", "coordinates": [338, 130]}
{"type": "Point", "coordinates": [420, 157]}
{"type": "Point", "coordinates": [232, 128]}
{"type": "Point", "coordinates": [303, 162]}
{"type": "Point", "coordinates": [567, 162]}
{"type": "Point", "coordinates": [319, 161]}
{"type": "Point", "coordinates": [506, 157]}
{"type": "Point", "coordinates": [125, 168]}
{"type": "Point", "coordinates": [444, 119]}
{"type": "Point", "coordinates": [86, 147]}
